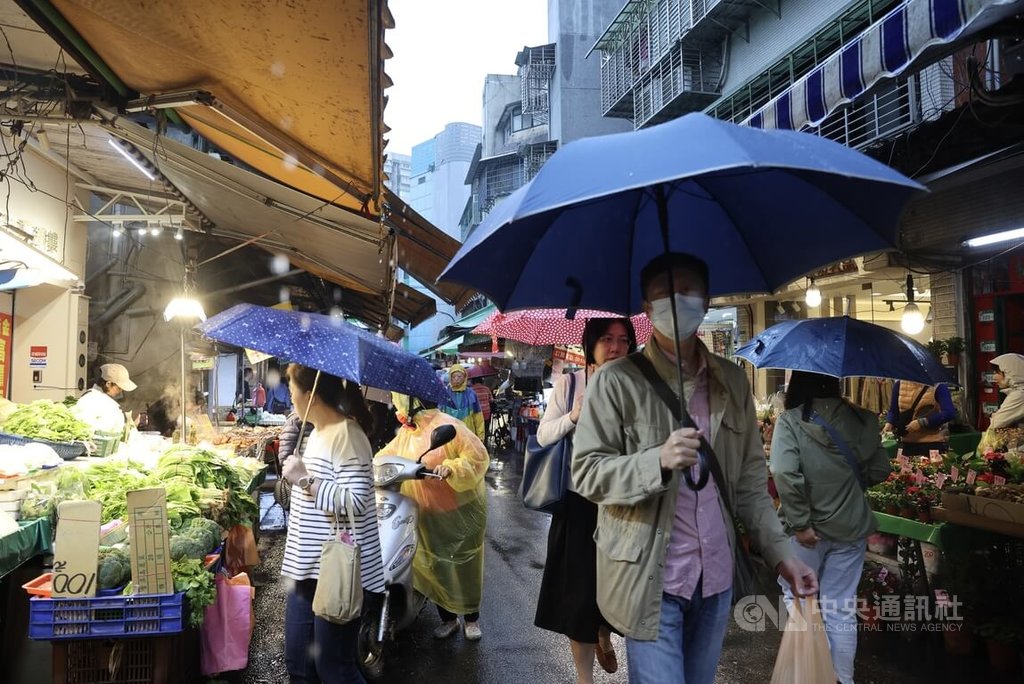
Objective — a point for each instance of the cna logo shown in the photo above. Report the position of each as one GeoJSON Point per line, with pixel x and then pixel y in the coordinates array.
{"type": "Point", "coordinates": [755, 613]}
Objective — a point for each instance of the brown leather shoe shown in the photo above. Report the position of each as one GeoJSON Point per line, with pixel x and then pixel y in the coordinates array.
{"type": "Point", "coordinates": [609, 663]}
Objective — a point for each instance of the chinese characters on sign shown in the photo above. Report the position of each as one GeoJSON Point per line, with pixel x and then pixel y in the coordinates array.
{"type": "Point", "coordinates": [6, 328]}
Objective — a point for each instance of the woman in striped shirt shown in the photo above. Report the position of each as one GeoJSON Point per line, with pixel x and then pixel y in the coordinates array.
{"type": "Point", "coordinates": [333, 472]}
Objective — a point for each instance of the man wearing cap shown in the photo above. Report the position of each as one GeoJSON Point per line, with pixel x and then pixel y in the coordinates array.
{"type": "Point", "coordinates": [99, 405]}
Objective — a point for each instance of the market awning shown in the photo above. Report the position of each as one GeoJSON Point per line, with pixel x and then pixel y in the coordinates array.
{"type": "Point", "coordinates": [889, 47]}
{"type": "Point", "coordinates": [297, 88]}
{"type": "Point", "coordinates": [449, 346]}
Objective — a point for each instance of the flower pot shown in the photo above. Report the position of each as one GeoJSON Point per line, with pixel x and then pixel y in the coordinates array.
{"type": "Point", "coordinates": [882, 544]}
{"type": "Point", "coordinates": [892, 509]}
{"type": "Point", "coordinates": [957, 639]}
{"type": "Point", "coordinates": [924, 516]}
{"type": "Point", "coordinates": [1002, 657]}
{"type": "Point", "coordinates": [908, 513]}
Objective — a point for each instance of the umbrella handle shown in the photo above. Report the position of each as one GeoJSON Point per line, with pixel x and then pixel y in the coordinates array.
{"type": "Point", "coordinates": [702, 479]}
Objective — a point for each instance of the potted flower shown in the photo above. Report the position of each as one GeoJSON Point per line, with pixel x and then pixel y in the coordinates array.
{"type": "Point", "coordinates": [876, 581]}
{"type": "Point", "coordinates": [954, 348]}
{"type": "Point", "coordinates": [937, 348]}
{"type": "Point", "coordinates": [1002, 641]}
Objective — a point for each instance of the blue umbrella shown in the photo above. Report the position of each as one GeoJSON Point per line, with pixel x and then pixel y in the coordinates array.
{"type": "Point", "coordinates": [843, 347]}
{"type": "Point", "coordinates": [763, 208]}
{"type": "Point", "coordinates": [328, 344]}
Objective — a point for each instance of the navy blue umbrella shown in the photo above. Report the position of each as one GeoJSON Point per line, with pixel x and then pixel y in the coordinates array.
{"type": "Point", "coordinates": [763, 208]}
{"type": "Point", "coordinates": [328, 344]}
{"type": "Point", "coordinates": [844, 347]}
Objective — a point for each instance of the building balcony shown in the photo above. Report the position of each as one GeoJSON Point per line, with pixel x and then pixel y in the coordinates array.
{"type": "Point", "coordinates": [875, 117]}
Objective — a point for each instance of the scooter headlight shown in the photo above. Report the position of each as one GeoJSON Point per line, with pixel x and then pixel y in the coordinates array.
{"type": "Point", "coordinates": [385, 473]}
{"type": "Point", "coordinates": [385, 511]}
{"type": "Point", "coordinates": [403, 556]}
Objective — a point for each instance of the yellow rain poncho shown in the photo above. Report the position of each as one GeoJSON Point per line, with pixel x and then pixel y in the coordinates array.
{"type": "Point", "coordinates": [449, 564]}
{"type": "Point", "coordinates": [465, 404]}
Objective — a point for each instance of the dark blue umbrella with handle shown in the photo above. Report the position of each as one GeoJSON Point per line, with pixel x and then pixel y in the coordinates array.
{"type": "Point", "coordinates": [328, 344]}
{"type": "Point", "coordinates": [844, 347]}
{"type": "Point", "coordinates": [761, 207]}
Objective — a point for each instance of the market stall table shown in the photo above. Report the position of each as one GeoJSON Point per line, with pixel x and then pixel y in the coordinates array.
{"type": "Point", "coordinates": [32, 540]}
{"type": "Point", "coordinates": [959, 443]}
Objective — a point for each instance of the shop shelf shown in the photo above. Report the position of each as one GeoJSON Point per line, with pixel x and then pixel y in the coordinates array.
{"type": "Point", "coordinates": [106, 617]}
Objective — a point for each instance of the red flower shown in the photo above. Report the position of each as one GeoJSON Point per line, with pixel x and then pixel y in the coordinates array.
{"type": "Point", "coordinates": [994, 456]}
{"type": "Point", "coordinates": [913, 490]}
{"type": "Point", "coordinates": [987, 477]}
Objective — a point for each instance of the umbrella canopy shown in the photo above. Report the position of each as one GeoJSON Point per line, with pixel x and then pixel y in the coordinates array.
{"type": "Point", "coordinates": [843, 347]}
{"type": "Point", "coordinates": [763, 208]}
{"type": "Point", "coordinates": [481, 371]}
{"type": "Point", "coordinates": [551, 326]}
{"type": "Point", "coordinates": [328, 344]}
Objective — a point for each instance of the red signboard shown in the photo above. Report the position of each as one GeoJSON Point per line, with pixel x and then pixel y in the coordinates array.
{"type": "Point", "coordinates": [6, 327]}
{"type": "Point", "coordinates": [37, 352]}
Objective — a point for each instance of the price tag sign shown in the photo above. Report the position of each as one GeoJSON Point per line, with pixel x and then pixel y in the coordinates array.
{"type": "Point", "coordinates": [935, 456]}
{"type": "Point", "coordinates": [919, 477]}
{"type": "Point", "coordinates": [971, 476]}
{"type": "Point", "coordinates": [954, 473]}
{"type": "Point", "coordinates": [904, 463]}
{"type": "Point", "coordinates": [899, 453]}
{"type": "Point", "coordinates": [940, 480]}
{"type": "Point", "coordinates": [76, 549]}
{"type": "Point", "coordinates": [999, 480]}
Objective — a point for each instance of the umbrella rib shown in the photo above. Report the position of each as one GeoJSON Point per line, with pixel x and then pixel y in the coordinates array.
{"type": "Point", "coordinates": [632, 254]}
{"type": "Point", "coordinates": [714, 197]}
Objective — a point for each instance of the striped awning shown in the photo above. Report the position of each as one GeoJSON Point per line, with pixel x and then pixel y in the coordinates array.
{"type": "Point", "coordinates": [886, 49]}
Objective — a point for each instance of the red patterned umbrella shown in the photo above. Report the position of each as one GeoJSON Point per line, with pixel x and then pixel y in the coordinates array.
{"type": "Point", "coordinates": [550, 326]}
{"type": "Point", "coordinates": [481, 371]}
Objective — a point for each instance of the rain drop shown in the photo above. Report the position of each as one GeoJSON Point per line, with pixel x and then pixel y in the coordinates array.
{"type": "Point", "coordinates": [277, 69]}
{"type": "Point", "coordinates": [279, 265]}
{"type": "Point", "coordinates": [290, 162]}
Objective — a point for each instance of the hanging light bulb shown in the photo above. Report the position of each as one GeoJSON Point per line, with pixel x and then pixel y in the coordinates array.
{"type": "Point", "coordinates": [912, 321]}
{"type": "Point", "coordinates": [141, 231]}
{"type": "Point", "coordinates": [155, 231]}
{"type": "Point", "coordinates": [115, 230]}
{"type": "Point", "coordinates": [813, 296]}
{"type": "Point", "coordinates": [179, 234]}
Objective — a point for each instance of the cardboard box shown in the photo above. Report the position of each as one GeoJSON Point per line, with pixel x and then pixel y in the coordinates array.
{"type": "Point", "coordinates": [150, 542]}
{"type": "Point", "coordinates": [996, 509]}
{"type": "Point", "coordinates": [76, 550]}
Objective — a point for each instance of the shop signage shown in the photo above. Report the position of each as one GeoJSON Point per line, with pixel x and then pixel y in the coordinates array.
{"type": "Point", "coordinates": [37, 357]}
{"type": "Point", "coordinates": [989, 409]}
{"type": "Point", "coordinates": [569, 356]}
{"type": "Point", "coordinates": [988, 346]}
{"type": "Point", "coordinates": [203, 364]}
{"type": "Point", "coordinates": [6, 327]}
{"type": "Point", "coordinates": [986, 316]}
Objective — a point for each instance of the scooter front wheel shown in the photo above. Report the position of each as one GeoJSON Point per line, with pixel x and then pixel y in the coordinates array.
{"type": "Point", "coordinates": [369, 649]}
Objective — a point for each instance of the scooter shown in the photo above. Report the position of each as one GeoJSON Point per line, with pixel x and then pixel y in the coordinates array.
{"type": "Point", "coordinates": [397, 518]}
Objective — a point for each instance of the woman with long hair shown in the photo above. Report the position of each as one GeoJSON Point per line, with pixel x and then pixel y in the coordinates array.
{"type": "Point", "coordinates": [568, 592]}
{"type": "Point", "coordinates": [332, 478]}
{"type": "Point", "coordinates": [824, 451]}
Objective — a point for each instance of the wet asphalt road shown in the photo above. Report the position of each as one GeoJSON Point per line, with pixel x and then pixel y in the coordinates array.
{"type": "Point", "coordinates": [514, 651]}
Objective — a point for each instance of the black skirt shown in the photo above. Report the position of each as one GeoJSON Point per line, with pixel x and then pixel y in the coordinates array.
{"type": "Point", "coordinates": [568, 591]}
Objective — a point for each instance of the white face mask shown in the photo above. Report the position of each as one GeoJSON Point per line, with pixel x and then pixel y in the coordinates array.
{"type": "Point", "coordinates": [689, 311]}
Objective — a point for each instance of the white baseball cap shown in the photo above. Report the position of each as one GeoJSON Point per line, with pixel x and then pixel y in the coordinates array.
{"type": "Point", "coordinates": [117, 374]}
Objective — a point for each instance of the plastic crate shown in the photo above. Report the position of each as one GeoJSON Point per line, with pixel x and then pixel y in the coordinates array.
{"type": "Point", "coordinates": [105, 445]}
{"type": "Point", "coordinates": [105, 617]}
{"type": "Point", "coordinates": [149, 660]}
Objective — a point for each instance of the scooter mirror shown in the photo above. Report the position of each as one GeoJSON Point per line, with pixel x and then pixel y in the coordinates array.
{"type": "Point", "coordinates": [440, 436]}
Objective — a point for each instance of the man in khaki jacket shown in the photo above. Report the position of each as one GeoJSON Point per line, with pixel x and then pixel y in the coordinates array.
{"type": "Point", "coordinates": [664, 551]}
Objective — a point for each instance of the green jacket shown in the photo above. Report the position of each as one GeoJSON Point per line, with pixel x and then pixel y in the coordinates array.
{"type": "Point", "coordinates": [816, 485]}
{"type": "Point", "coordinates": [616, 464]}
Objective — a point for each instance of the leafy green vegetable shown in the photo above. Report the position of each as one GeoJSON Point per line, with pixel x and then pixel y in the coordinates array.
{"type": "Point", "coordinates": [188, 547]}
{"type": "Point", "coordinates": [222, 485]}
{"type": "Point", "coordinates": [44, 419]}
{"type": "Point", "coordinates": [197, 582]}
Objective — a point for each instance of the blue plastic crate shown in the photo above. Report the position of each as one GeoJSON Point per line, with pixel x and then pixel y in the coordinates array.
{"type": "Point", "coordinates": [105, 617]}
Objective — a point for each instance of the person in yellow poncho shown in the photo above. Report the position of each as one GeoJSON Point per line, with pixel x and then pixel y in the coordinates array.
{"type": "Point", "coordinates": [449, 565]}
{"type": "Point", "coordinates": [465, 404]}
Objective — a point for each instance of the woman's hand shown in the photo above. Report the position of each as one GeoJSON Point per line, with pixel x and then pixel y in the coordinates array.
{"type": "Point", "coordinates": [294, 469]}
{"type": "Point", "coordinates": [807, 538]}
{"type": "Point", "coordinates": [443, 471]}
{"type": "Point", "coordinates": [915, 425]}
{"type": "Point", "coordinates": [574, 416]}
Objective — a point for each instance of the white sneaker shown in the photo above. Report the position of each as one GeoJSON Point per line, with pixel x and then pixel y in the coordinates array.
{"type": "Point", "coordinates": [446, 629]}
{"type": "Point", "coordinates": [473, 632]}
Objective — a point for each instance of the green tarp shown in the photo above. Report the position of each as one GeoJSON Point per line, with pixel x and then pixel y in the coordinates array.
{"type": "Point", "coordinates": [33, 539]}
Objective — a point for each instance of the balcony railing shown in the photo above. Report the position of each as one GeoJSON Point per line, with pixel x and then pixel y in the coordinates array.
{"type": "Point", "coordinates": [686, 80]}
{"type": "Point", "coordinates": [875, 117]}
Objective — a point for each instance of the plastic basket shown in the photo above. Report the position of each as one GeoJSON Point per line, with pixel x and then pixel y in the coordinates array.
{"type": "Point", "coordinates": [170, 659]}
{"type": "Point", "coordinates": [105, 445]}
{"type": "Point", "coordinates": [105, 617]}
{"type": "Point", "coordinates": [66, 450]}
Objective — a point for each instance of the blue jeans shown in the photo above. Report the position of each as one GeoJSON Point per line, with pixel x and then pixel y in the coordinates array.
{"type": "Point", "coordinates": [689, 643]}
{"type": "Point", "coordinates": [839, 566]}
{"type": "Point", "coordinates": [316, 650]}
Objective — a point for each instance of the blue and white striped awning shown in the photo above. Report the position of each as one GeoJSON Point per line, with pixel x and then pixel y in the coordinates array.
{"type": "Point", "coordinates": [884, 50]}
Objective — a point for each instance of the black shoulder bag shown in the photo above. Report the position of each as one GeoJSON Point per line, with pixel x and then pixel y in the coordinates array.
{"type": "Point", "coordinates": [905, 417]}
{"type": "Point", "coordinates": [745, 580]}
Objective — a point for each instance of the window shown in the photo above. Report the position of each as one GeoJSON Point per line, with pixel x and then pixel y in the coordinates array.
{"type": "Point", "coordinates": [421, 180]}
{"type": "Point", "coordinates": [517, 121]}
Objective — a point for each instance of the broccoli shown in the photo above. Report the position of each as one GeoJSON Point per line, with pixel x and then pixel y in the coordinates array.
{"type": "Point", "coordinates": [206, 531]}
{"type": "Point", "coordinates": [183, 547]}
{"type": "Point", "coordinates": [114, 567]}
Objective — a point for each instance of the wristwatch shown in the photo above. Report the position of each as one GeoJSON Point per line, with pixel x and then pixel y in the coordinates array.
{"type": "Point", "coordinates": [306, 482]}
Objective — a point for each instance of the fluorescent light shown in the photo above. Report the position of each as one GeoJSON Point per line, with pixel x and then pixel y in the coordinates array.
{"type": "Point", "coordinates": [130, 158]}
{"type": "Point", "coordinates": [185, 309]}
{"type": "Point", "coordinates": [993, 238]}
{"type": "Point", "coordinates": [912, 321]}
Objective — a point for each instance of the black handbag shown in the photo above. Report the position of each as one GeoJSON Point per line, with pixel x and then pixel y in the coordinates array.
{"type": "Point", "coordinates": [747, 570]}
{"type": "Point", "coordinates": [546, 468]}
